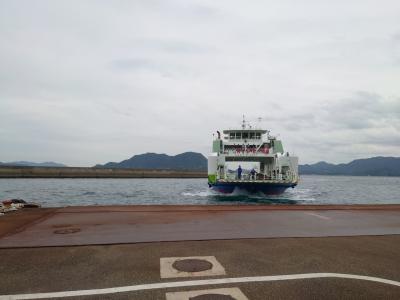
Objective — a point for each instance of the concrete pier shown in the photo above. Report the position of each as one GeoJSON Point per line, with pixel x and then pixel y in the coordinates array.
{"type": "Point", "coordinates": [78, 172]}
{"type": "Point", "coordinates": [266, 252]}
{"type": "Point", "coordinates": [136, 224]}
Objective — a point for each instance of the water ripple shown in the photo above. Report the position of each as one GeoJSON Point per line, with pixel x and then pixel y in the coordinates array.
{"type": "Point", "coordinates": [312, 189]}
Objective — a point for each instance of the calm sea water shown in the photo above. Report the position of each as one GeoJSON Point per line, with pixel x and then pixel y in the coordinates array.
{"type": "Point", "coordinates": [311, 190]}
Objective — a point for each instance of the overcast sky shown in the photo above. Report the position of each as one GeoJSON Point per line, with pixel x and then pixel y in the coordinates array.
{"type": "Point", "coordinates": [86, 82]}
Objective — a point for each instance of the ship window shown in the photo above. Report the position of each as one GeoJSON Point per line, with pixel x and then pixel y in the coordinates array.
{"type": "Point", "coordinates": [238, 135]}
{"type": "Point", "coordinates": [245, 135]}
{"type": "Point", "coordinates": [251, 136]}
{"type": "Point", "coordinates": [258, 135]}
{"type": "Point", "coordinates": [232, 135]}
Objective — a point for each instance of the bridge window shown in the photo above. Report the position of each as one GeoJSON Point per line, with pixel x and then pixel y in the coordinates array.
{"type": "Point", "coordinates": [251, 136]}
{"type": "Point", "coordinates": [245, 135]}
{"type": "Point", "coordinates": [232, 136]}
{"type": "Point", "coordinates": [258, 135]}
{"type": "Point", "coordinates": [238, 135]}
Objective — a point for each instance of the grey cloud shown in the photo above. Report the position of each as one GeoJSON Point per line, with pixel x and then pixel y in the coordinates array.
{"type": "Point", "coordinates": [353, 126]}
{"type": "Point", "coordinates": [170, 73]}
{"type": "Point", "coordinates": [299, 122]}
{"type": "Point", "coordinates": [163, 68]}
{"type": "Point", "coordinates": [396, 36]}
{"type": "Point", "coordinates": [135, 64]}
{"type": "Point", "coordinates": [383, 139]}
{"type": "Point", "coordinates": [292, 121]}
{"type": "Point", "coordinates": [172, 46]}
{"type": "Point", "coordinates": [194, 10]}
{"type": "Point", "coordinates": [362, 111]}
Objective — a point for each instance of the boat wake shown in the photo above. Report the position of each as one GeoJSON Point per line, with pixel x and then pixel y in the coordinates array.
{"type": "Point", "coordinates": [206, 193]}
{"type": "Point", "coordinates": [240, 196]}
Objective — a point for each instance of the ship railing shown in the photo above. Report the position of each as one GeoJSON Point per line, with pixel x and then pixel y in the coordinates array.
{"type": "Point", "coordinates": [291, 177]}
{"type": "Point", "coordinates": [245, 153]}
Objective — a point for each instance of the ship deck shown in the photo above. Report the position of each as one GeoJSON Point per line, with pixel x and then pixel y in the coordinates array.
{"type": "Point", "coordinates": [256, 181]}
{"type": "Point", "coordinates": [76, 249]}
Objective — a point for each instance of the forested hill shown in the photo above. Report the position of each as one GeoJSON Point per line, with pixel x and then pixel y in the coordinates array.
{"type": "Point", "coordinates": [374, 166]}
{"type": "Point", "coordinates": [192, 161]}
{"type": "Point", "coordinates": [184, 161]}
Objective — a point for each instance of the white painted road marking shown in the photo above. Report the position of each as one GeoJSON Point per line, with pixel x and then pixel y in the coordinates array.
{"type": "Point", "coordinates": [318, 216]}
{"type": "Point", "coordinates": [164, 285]}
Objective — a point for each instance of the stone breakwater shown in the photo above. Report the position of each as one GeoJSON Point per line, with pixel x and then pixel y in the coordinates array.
{"type": "Point", "coordinates": [76, 172]}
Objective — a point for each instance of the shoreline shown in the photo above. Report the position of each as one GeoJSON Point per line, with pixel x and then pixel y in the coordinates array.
{"type": "Point", "coordinates": [85, 172]}
{"type": "Point", "coordinates": [15, 172]}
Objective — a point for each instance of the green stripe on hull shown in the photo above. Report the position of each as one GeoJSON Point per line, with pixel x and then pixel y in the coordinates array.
{"type": "Point", "coordinates": [212, 178]}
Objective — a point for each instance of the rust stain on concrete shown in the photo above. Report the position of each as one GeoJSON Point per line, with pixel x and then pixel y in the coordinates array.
{"type": "Point", "coordinates": [137, 224]}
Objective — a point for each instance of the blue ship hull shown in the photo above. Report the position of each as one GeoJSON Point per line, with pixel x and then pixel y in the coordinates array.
{"type": "Point", "coordinates": [252, 187]}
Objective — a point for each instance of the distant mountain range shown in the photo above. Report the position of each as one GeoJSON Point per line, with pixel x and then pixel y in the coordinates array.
{"type": "Point", "coordinates": [32, 164]}
{"type": "Point", "coordinates": [374, 166]}
{"type": "Point", "coordinates": [192, 161]}
{"type": "Point", "coordinates": [185, 161]}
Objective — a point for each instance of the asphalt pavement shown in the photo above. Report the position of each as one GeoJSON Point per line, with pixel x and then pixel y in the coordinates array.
{"type": "Point", "coordinates": [54, 269]}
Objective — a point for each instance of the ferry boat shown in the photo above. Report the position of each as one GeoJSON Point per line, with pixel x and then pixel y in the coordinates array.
{"type": "Point", "coordinates": [250, 159]}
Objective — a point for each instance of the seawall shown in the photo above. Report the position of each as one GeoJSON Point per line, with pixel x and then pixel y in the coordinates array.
{"type": "Point", "coordinates": [79, 172]}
